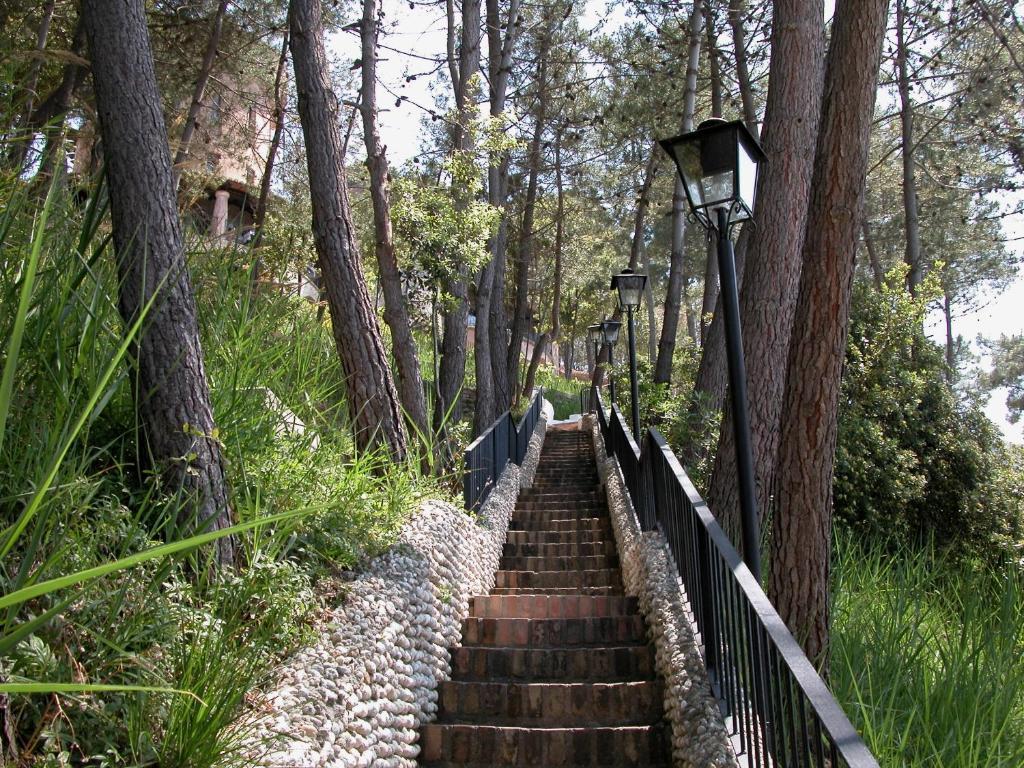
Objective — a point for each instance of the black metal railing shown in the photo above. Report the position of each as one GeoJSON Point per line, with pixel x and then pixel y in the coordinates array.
{"type": "Point", "coordinates": [502, 442]}
{"type": "Point", "coordinates": [779, 710]}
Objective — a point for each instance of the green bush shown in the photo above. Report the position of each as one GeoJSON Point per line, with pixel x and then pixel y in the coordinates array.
{"type": "Point", "coordinates": [182, 645]}
{"type": "Point", "coordinates": [926, 655]}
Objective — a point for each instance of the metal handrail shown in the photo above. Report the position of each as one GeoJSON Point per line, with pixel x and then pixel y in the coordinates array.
{"type": "Point", "coordinates": [779, 710]}
{"type": "Point", "coordinates": [500, 443]}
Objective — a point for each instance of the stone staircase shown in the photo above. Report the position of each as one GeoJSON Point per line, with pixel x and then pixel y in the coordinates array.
{"type": "Point", "coordinates": [554, 668]}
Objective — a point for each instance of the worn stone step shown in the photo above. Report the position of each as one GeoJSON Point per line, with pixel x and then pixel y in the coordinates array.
{"type": "Point", "coordinates": [587, 549]}
{"type": "Point", "coordinates": [583, 563]}
{"type": "Point", "coordinates": [555, 537]}
{"type": "Point", "coordinates": [550, 607]}
{"type": "Point", "coordinates": [531, 494]}
{"type": "Point", "coordinates": [487, 745]}
{"type": "Point", "coordinates": [608, 664]}
{"type": "Point", "coordinates": [606, 577]}
{"type": "Point", "coordinates": [554, 633]}
{"type": "Point", "coordinates": [554, 704]}
{"type": "Point", "coordinates": [615, 590]}
{"type": "Point", "coordinates": [598, 524]}
{"type": "Point", "coordinates": [578, 509]}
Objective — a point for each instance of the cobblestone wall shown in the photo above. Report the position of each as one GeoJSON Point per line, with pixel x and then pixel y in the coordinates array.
{"type": "Point", "coordinates": [699, 735]}
{"type": "Point", "coordinates": [357, 697]}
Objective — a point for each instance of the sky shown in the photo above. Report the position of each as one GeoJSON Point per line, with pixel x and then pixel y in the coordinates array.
{"type": "Point", "coordinates": [421, 30]}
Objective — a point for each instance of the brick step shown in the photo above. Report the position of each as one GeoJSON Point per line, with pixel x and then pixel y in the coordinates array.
{"type": "Point", "coordinates": [562, 704]}
{"type": "Point", "coordinates": [608, 664]}
{"type": "Point", "coordinates": [581, 563]}
{"type": "Point", "coordinates": [533, 494]}
{"type": "Point", "coordinates": [597, 524]}
{"type": "Point", "coordinates": [587, 549]}
{"type": "Point", "coordinates": [538, 518]}
{"type": "Point", "coordinates": [555, 537]}
{"type": "Point", "coordinates": [567, 471]}
{"type": "Point", "coordinates": [476, 746]}
{"type": "Point", "coordinates": [550, 607]}
{"type": "Point", "coordinates": [554, 633]}
{"type": "Point", "coordinates": [557, 591]}
{"type": "Point", "coordinates": [607, 577]}
{"type": "Point", "coordinates": [565, 505]}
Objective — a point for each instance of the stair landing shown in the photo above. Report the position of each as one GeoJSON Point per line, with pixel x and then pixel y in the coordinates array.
{"type": "Point", "coordinates": [555, 668]}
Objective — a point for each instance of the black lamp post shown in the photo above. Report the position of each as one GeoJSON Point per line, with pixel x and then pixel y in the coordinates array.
{"type": "Point", "coordinates": [630, 287]}
{"type": "Point", "coordinates": [594, 336]}
{"type": "Point", "coordinates": [718, 166]}
{"type": "Point", "coordinates": [610, 329]}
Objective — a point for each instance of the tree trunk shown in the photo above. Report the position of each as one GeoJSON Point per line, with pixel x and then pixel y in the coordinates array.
{"type": "Point", "coordinates": [22, 137]}
{"type": "Point", "coordinates": [55, 106]}
{"type": "Point", "coordinates": [275, 143]}
{"type": "Point", "coordinates": [739, 40]}
{"type": "Point", "coordinates": [912, 254]}
{"type": "Point", "coordinates": [202, 78]}
{"type": "Point", "coordinates": [877, 273]}
{"type": "Point", "coordinates": [396, 310]}
{"type": "Point", "coordinates": [551, 337]}
{"type": "Point", "coordinates": [714, 65]}
{"type": "Point", "coordinates": [453, 344]}
{"type": "Point", "coordinates": [373, 405]}
{"type": "Point", "coordinates": [172, 396]}
{"type": "Point", "coordinates": [525, 254]}
{"type": "Point", "coordinates": [499, 65]}
{"type": "Point", "coordinates": [710, 298]}
{"type": "Point", "coordinates": [802, 523]}
{"type": "Point", "coordinates": [947, 313]}
{"type": "Point", "coordinates": [772, 270]}
{"type": "Point", "coordinates": [637, 251]}
{"type": "Point", "coordinates": [677, 257]}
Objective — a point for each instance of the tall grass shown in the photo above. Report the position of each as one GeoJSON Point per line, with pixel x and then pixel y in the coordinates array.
{"type": "Point", "coordinates": [928, 656]}
{"type": "Point", "coordinates": [115, 650]}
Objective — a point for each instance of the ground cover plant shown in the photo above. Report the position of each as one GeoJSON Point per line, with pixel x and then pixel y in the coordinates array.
{"type": "Point", "coordinates": [927, 655]}
{"type": "Point", "coordinates": [179, 645]}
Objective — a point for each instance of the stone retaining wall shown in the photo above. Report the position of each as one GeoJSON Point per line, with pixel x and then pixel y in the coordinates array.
{"type": "Point", "coordinates": [358, 696]}
{"type": "Point", "coordinates": [699, 735]}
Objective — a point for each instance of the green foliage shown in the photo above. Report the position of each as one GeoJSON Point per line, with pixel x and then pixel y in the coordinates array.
{"type": "Point", "coordinates": [562, 393]}
{"type": "Point", "coordinates": [926, 656]}
{"type": "Point", "coordinates": [913, 461]}
{"type": "Point", "coordinates": [1008, 371]}
{"type": "Point", "coordinates": [443, 227]}
{"type": "Point", "coordinates": [117, 645]}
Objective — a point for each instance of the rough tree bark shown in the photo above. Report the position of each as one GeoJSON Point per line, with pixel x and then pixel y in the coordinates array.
{"type": "Point", "coordinates": [525, 251]}
{"type": "Point", "coordinates": [396, 310]}
{"type": "Point", "coordinates": [911, 224]}
{"type": "Point", "coordinates": [637, 249]}
{"type": "Point", "coordinates": [874, 261]}
{"type": "Point", "coordinates": [373, 405]}
{"type": "Point", "coordinates": [677, 259]}
{"type": "Point", "coordinates": [712, 375]}
{"type": "Point", "coordinates": [772, 271]}
{"type": "Point", "coordinates": [280, 104]}
{"type": "Point", "coordinates": [801, 525]}
{"type": "Point", "coordinates": [199, 90]}
{"type": "Point", "coordinates": [21, 139]}
{"type": "Point", "coordinates": [737, 8]}
{"type": "Point", "coordinates": [54, 108]}
{"type": "Point", "coordinates": [551, 337]}
{"type": "Point", "coordinates": [453, 342]}
{"type": "Point", "coordinates": [499, 65]}
{"type": "Point", "coordinates": [172, 395]}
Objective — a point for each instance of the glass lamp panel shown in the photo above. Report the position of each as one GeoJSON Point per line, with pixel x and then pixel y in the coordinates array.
{"type": "Point", "coordinates": [747, 172]}
{"type": "Point", "coordinates": [717, 188]}
{"type": "Point", "coordinates": [594, 333]}
{"type": "Point", "coordinates": [718, 161]}
{"type": "Point", "coordinates": [611, 330]}
{"type": "Point", "coordinates": [687, 157]}
{"type": "Point", "coordinates": [631, 287]}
